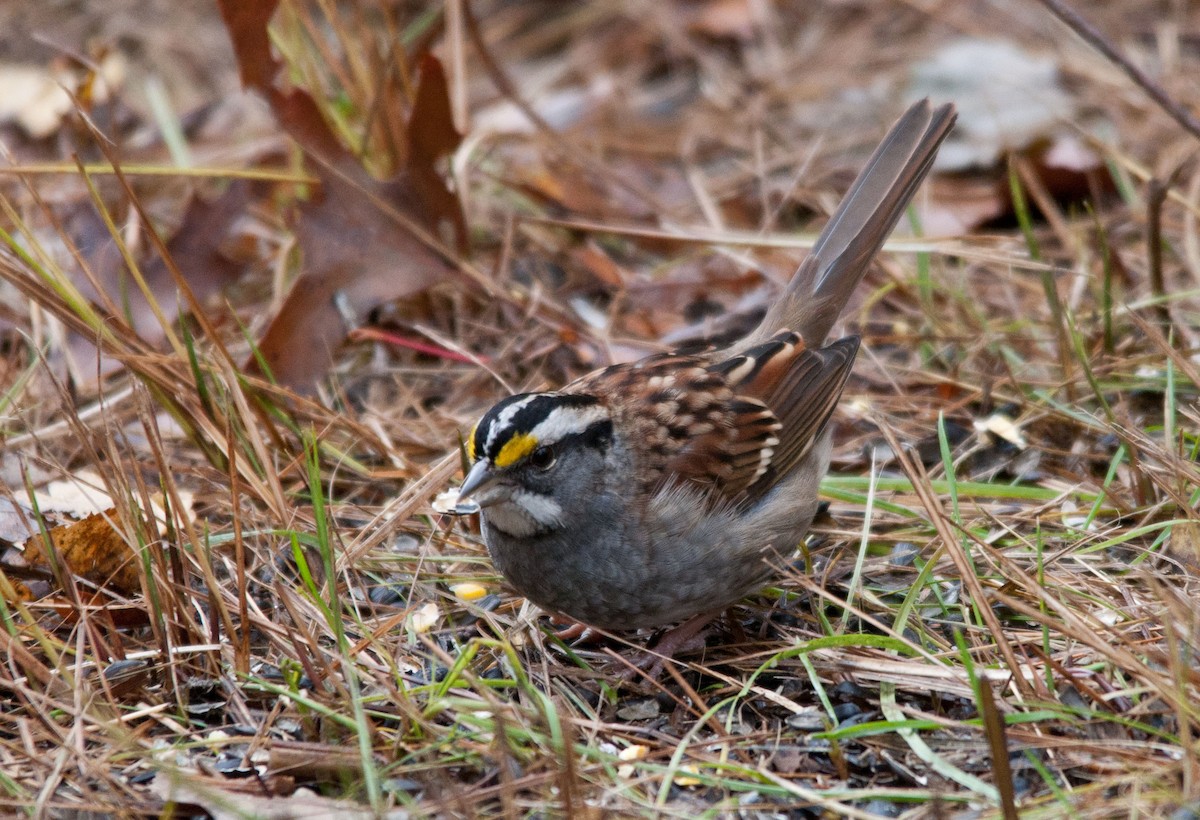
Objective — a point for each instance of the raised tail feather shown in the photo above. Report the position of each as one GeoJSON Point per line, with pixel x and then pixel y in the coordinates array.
{"type": "Point", "coordinates": [842, 253]}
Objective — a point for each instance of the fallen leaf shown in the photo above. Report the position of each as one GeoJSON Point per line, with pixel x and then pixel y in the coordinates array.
{"type": "Point", "coordinates": [195, 249]}
{"type": "Point", "coordinates": [34, 98]}
{"type": "Point", "coordinates": [592, 258]}
{"type": "Point", "coordinates": [565, 189]}
{"type": "Point", "coordinates": [37, 98]}
{"type": "Point", "coordinates": [196, 246]}
{"type": "Point", "coordinates": [222, 799]}
{"type": "Point", "coordinates": [17, 522]}
{"type": "Point", "coordinates": [364, 242]}
{"type": "Point", "coordinates": [91, 549]}
{"type": "Point", "coordinates": [959, 203]}
{"type": "Point", "coordinates": [79, 496]}
{"type": "Point", "coordinates": [1184, 544]}
{"type": "Point", "coordinates": [725, 18]}
{"type": "Point", "coordinates": [786, 760]}
{"type": "Point", "coordinates": [1070, 171]}
{"type": "Point", "coordinates": [1007, 98]}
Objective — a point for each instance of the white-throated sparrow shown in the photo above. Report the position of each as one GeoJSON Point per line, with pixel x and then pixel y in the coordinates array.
{"type": "Point", "coordinates": [646, 493]}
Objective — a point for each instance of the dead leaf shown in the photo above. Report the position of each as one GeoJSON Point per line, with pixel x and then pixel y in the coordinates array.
{"type": "Point", "coordinates": [196, 246]}
{"type": "Point", "coordinates": [34, 98]}
{"type": "Point", "coordinates": [1007, 98]}
{"type": "Point", "coordinates": [786, 760]}
{"type": "Point", "coordinates": [17, 522]}
{"type": "Point", "coordinates": [565, 189]}
{"type": "Point", "coordinates": [123, 677]}
{"type": "Point", "coordinates": [195, 249]}
{"type": "Point", "coordinates": [1070, 171]}
{"type": "Point", "coordinates": [21, 592]}
{"type": "Point", "coordinates": [364, 242]}
{"type": "Point", "coordinates": [91, 549]}
{"type": "Point", "coordinates": [224, 800]}
{"type": "Point", "coordinates": [83, 494]}
{"type": "Point", "coordinates": [1184, 544]}
{"type": "Point", "coordinates": [959, 203]}
{"type": "Point", "coordinates": [355, 250]}
{"type": "Point", "coordinates": [725, 18]}
{"type": "Point", "coordinates": [79, 496]}
{"type": "Point", "coordinates": [37, 98]}
{"type": "Point", "coordinates": [592, 258]}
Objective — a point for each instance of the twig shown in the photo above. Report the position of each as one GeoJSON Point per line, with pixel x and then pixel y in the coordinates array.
{"type": "Point", "coordinates": [1093, 37]}
{"type": "Point", "coordinates": [993, 727]}
{"type": "Point", "coordinates": [1156, 197]}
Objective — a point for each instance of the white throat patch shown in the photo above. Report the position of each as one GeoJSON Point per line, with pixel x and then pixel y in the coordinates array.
{"type": "Point", "coordinates": [524, 514]}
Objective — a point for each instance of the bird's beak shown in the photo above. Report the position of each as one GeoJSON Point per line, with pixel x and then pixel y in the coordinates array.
{"type": "Point", "coordinates": [478, 477]}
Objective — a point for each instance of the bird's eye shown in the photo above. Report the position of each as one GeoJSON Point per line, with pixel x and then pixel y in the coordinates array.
{"type": "Point", "coordinates": [542, 458]}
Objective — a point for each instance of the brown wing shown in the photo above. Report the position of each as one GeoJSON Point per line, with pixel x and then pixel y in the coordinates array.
{"type": "Point", "coordinates": [696, 429]}
{"type": "Point", "coordinates": [799, 386]}
{"type": "Point", "coordinates": [728, 427]}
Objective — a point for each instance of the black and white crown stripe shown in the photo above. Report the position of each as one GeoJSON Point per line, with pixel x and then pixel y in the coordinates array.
{"type": "Point", "coordinates": [546, 417]}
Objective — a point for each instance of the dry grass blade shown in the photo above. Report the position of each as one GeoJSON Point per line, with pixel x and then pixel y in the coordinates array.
{"type": "Point", "coordinates": [953, 545]}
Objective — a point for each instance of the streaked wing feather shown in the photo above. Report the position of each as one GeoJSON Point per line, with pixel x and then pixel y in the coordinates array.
{"type": "Point", "coordinates": [728, 427]}
{"type": "Point", "coordinates": [803, 400]}
{"type": "Point", "coordinates": [695, 428]}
